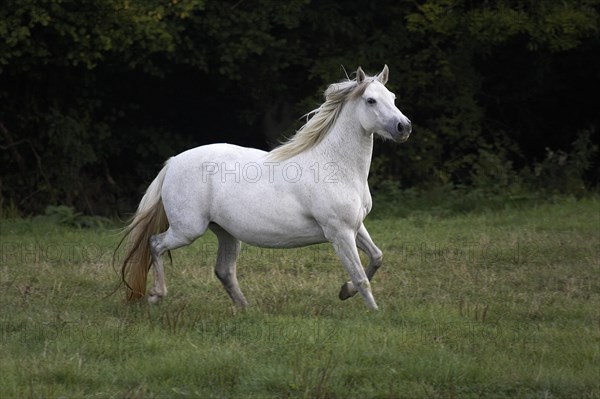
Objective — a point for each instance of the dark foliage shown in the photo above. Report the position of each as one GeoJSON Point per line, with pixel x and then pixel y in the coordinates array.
{"type": "Point", "coordinates": [96, 95]}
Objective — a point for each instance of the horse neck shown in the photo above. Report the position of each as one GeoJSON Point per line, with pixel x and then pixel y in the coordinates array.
{"type": "Point", "coordinates": [347, 145]}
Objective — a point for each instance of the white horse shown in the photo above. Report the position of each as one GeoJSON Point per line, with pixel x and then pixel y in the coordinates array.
{"type": "Point", "coordinates": [311, 189]}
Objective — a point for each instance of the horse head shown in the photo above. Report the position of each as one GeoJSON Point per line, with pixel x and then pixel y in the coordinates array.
{"type": "Point", "coordinates": [375, 108]}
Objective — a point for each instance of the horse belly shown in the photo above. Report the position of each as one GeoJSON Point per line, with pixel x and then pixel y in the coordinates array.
{"type": "Point", "coordinates": [265, 216]}
{"type": "Point", "coordinates": [269, 227]}
{"type": "Point", "coordinates": [273, 239]}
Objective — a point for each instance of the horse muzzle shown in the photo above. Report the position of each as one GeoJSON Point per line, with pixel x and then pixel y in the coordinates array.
{"type": "Point", "coordinates": [402, 138]}
{"type": "Point", "coordinates": [403, 131]}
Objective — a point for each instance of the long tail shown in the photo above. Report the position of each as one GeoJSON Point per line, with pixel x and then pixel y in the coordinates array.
{"type": "Point", "coordinates": [149, 219]}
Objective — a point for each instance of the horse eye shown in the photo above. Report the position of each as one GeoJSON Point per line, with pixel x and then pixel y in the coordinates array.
{"type": "Point", "coordinates": [371, 101]}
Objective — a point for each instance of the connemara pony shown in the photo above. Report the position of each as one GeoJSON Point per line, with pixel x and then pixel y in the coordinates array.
{"type": "Point", "coordinates": [312, 189]}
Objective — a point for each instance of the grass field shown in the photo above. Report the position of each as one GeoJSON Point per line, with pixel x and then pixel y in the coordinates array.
{"type": "Point", "coordinates": [501, 303]}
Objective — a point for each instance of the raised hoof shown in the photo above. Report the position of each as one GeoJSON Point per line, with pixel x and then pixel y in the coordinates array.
{"type": "Point", "coordinates": [347, 291]}
{"type": "Point", "coordinates": [154, 298]}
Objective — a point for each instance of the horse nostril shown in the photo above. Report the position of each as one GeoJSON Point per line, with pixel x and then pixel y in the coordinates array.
{"type": "Point", "coordinates": [404, 127]}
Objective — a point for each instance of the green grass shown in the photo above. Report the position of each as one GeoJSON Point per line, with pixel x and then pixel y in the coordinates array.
{"type": "Point", "coordinates": [497, 303]}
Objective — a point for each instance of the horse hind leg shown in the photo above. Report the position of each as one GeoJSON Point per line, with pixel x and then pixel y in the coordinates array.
{"type": "Point", "coordinates": [225, 269]}
{"type": "Point", "coordinates": [159, 244]}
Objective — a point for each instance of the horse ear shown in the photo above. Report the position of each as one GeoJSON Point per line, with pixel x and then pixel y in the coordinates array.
{"type": "Point", "coordinates": [383, 75]}
{"type": "Point", "coordinates": [360, 75]}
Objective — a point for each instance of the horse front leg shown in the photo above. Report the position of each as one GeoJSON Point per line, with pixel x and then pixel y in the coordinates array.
{"type": "Point", "coordinates": [366, 244]}
{"type": "Point", "coordinates": [345, 247]}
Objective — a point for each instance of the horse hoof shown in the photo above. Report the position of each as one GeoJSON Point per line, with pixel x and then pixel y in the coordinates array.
{"type": "Point", "coordinates": [347, 291]}
{"type": "Point", "coordinates": [154, 298]}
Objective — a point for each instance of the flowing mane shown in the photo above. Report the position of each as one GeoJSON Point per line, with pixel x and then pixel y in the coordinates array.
{"type": "Point", "coordinates": [322, 120]}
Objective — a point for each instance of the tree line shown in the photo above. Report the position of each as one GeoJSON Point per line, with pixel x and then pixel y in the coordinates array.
{"type": "Point", "coordinates": [96, 95]}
